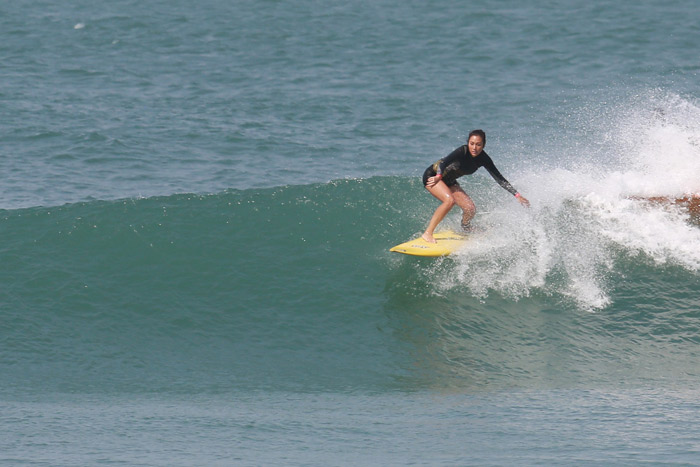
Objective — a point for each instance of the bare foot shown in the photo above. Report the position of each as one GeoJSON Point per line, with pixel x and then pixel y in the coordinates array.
{"type": "Point", "coordinates": [428, 238]}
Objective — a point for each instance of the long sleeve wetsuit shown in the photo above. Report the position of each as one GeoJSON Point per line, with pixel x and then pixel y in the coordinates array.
{"type": "Point", "coordinates": [460, 162]}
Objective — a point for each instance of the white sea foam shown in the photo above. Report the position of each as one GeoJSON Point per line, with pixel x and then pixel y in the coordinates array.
{"type": "Point", "coordinates": [585, 216]}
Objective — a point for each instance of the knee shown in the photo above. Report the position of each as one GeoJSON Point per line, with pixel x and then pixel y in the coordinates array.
{"type": "Point", "coordinates": [468, 207]}
{"type": "Point", "coordinates": [449, 201]}
{"type": "Point", "coordinates": [468, 213]}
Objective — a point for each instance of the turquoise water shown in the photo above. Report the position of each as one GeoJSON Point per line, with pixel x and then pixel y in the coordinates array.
{"type": "Point", "coordinates": [197, 206]}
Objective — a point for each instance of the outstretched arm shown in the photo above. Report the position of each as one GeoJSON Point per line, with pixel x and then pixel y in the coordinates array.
{"type": "Point", "coordinates": [501, 180]}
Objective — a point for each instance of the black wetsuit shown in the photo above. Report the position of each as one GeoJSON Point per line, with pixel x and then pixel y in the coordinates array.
{"type": "Point", "coordinates": [460, 162]}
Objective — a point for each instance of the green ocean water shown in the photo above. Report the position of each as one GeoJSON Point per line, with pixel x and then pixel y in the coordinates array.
{"type": "Point", "coordinates": [283, 307]}
{"type": "Point", "coordinates": [198, 203]}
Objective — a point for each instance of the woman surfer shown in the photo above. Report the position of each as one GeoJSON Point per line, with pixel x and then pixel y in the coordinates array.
{"type": "Point", "coordinates": [440, 179]}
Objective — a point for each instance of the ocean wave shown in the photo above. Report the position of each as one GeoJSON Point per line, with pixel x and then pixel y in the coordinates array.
{"type": "Point", "coordinates": [281, 286]}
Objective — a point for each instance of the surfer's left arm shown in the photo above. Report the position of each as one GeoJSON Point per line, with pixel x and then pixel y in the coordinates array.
{"type": "Point", "coordinates": [501, 180]}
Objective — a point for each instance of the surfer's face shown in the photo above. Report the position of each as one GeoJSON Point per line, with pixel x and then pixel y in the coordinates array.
{"type": "Point", "coordinates": [476, 145]}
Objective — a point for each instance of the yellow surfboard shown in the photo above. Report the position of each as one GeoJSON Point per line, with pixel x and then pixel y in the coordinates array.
{"type": "Point", "coordinates": [446, 242]}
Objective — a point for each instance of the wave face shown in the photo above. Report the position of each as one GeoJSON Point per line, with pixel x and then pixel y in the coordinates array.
{"type": "Point", "coordinates": [293, 288]}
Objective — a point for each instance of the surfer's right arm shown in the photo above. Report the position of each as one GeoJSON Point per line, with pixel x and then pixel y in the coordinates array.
{"type": "Point", "coordinates": [440, 166]}
{"type": "Point", "coordinates": [432, 181]}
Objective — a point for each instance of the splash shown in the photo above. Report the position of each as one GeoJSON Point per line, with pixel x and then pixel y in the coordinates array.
{"type": "Point", "coordinates": [591, 211]}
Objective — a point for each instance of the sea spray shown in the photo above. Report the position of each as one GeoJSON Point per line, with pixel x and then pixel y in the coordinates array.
{"type": "Point", "coordinates": [588, 213]}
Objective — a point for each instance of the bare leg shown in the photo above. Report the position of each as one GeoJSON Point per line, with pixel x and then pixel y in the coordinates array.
{"type": "Point", "coordinates": [443, 193]}
{"type": "Point", "coordinates": [465, 202]}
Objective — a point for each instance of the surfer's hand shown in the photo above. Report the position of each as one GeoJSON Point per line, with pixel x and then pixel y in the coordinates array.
{"type": "Point", "coordinates": [432, 181]}
{"type": "Point", "coordinates": [523, 200]}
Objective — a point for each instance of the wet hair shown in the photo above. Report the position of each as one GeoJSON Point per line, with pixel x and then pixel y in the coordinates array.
{"type": "Point", "coordinates": [479, 133]}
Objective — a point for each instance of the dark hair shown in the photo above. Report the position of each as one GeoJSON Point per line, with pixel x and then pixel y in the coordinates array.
{"type": "Point", "coordinates": [479, 133]}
